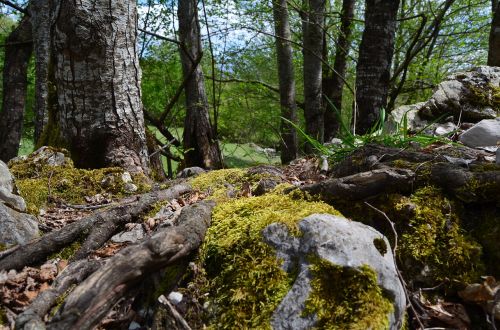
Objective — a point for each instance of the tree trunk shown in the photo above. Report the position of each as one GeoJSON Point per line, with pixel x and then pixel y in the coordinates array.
{"type": "Point", "coordinates": [313, 47]}
{"type": "Point", "coordinates": [18, 48]}
{"type": "Point", "coordinates": [199, 143]}
{"type": "Point", "coordinates": [289, 144]}
{"type": "Point", "coordinates": [99, 114]}
{"type": "Point", "coordinates": [494, 43]}
{"type": "Point", "coordinates": [335, 91]}
{"type": "Point", "coordinates": [374, 63]}
{"type": "Point", "coordinates": [41, 20]}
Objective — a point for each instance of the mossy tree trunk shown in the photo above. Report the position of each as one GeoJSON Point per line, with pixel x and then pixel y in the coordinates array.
{"type": "Point", "coordinates": [18, 49]}
{"type": "Point", "coordinates": [199, 140]}
{"type": "Point", "coordinates": [99, 114]}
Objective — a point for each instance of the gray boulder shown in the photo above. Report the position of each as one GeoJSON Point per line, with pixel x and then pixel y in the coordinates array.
{"type": "Point", "coordinates": [467, 95]}
{"type": "Point", "coordinates": [341, 242]}
{"type": "Point", "coordinates": [7, 186]}
{"type": "Point", "coordinates": [413, 120]}
{"type": "Point", "coordinates": [190, 171]}
{"type": "Point", "coordinates": [16, 227]}
{"type": "Point", "coordinates": [484, 133]}
{"type": "Point", "coordinates": [135, 234]}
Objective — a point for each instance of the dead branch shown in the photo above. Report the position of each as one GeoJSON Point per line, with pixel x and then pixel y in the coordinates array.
{"type": "Point", "coordinates": [38, 250]}
{"type": "Point", "coordinates": [91, 300]}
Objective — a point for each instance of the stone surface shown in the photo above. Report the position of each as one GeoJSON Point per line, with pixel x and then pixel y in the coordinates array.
{"type": "Point", "coordinates": [132, 236]}
{"type": "Point", "coordinates": [484, 133]}
{"type": "Point", "coordinates": [49, 156]}
{"type": "Point", "coordinates": [340, 241]}
{"type": "Point", "coordinates": [14, 201]}
{"type": "Point", "coordinates": [126, 177]}
{"type": "Point", "coordinates": [468, 95]}
{"type": "Point", "coordinates": [6, 178]}
{"type": "Point", "coordinates": [413, 120]}
{"type": "Point", "coordinates": [130, 187]}
{"type": "Point", "coordinates": [445, 129]}
{"type": "Point", "coordinates": [16, 227]}
{"type": "Point", "coordinates": [190, 171]}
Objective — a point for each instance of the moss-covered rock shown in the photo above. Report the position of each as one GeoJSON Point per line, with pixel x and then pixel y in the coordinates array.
{"type": "Point", "coordinates": [37, 179]}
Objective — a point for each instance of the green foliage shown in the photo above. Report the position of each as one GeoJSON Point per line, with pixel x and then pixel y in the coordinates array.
{"type": "Point", "coordinates": [346, 298]}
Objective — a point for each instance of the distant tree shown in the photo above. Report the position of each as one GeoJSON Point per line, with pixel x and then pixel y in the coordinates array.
{"type": "Point", "coordinates": [95, 107]}
{"type": "Point", "coordinates": [201, 149]}
{"type": "Point", "coordinates": [289, 144]}
{"type": "Point", "coordinates": [18, 49]}
{"type": "Point", "coordinates": [494, 42]}
{"type": "Point", "coordinates": [374, 63]}
{"type": "Point", "coordinates": [334, 83]}
{"type": "Point", "coordinates": [313, 21]}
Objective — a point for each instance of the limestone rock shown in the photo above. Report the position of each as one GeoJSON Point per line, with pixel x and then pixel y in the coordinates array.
{"type": "Point", "coordinates": [468, 95]}
{"type": "Point", "coordinates": [7, 186]}
{"type": "Point", "coordinates": [484, 133]}
{"type": "Point", "coordinates": [413, 120]}
{"type": "Point", "coordinates": [341, 242]}
{"type": "Point", "coordinates": [132, 236]}
{"type": "Point", "coordinates": [6, 178]}
{"type": "Point", "coordinates": [16, 227]}
{"type": "Point", "coordinates": [190, 171]}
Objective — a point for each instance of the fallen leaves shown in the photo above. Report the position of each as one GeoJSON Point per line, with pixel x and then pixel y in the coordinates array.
{"type": "Point", "coordinates": [486, 294]}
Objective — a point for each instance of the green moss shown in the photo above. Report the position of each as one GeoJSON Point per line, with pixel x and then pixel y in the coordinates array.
{"type": "Point", "coordinates": [67, 252]}
{"type": "Point", "coordinates": [219, 184]}
{"type": "Point", "coordinates": [3, 317]}
{"type": "Point", "coordinates": [435, 239]}
{"type": "Point", "coordinates": [485, 224]}
{"type": "Point", "coordinates": [488, 95]}
{"type": "Point", "coordinates": [36, 180]}
{"type": "Point", "coordinates": [245, 281]}
{"type": "Point", "coordinates": [380, 245]}
{"type": "Point", "coordinates": [346, 298]}
{"type": "Point", "coordinates": [476, 190]}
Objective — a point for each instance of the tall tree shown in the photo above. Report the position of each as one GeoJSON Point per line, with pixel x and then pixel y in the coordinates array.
{"type": "Point", "coordinates": [374, 63]}
{"type": "Point", "coordinates": [494, 42]}
{"type": "Point", "coordinates": [198, 138]}
{"type": "Point", "coordinates": [18, 49]}
{"type": "Point", "coordinates": [313, 48]}
{"type": "Point", "coordinates": [289, 144]}
{"type": "Point", "coordinates": [95, 107]}
{"type": "Point", "coordinates": [335, 83]}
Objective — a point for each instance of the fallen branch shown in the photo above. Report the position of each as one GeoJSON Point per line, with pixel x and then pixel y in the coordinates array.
{"type": "Point", "coordinates": [38, 250]}
{"type": "Point", "coordinates": [88, 303]}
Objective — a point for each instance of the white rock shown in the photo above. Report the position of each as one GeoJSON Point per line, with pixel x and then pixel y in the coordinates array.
{"type": "Point", "coordinates": [484, 133]}
{"type": "Point", "coordinates": [175, 297]}
{"type": "Point", "coordinates": [126, 177]}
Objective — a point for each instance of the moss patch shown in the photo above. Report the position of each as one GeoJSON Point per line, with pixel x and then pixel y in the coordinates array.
{"type": "Point", "coordinates": [434, 239]}
{"type": "Point", "coordinates": [221, 185]}
{"type": "Point", "coordinates": [346, 298]}
{"type": "Point", "coordinates": [245, 281]}
{"type": "Point", "coordinates": [36, 181]}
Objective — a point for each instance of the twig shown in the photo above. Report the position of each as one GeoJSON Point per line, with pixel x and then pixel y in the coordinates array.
{"type": "Point", "coordinates": [178, 317]}
{"type": "Point", "coordinates": [394, 249]}
{"type": "Point", "coordinates": [16, 7]}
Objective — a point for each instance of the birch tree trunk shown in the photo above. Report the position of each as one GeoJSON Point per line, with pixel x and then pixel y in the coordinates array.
{"type": "Point", "coordinates": [289, 144]}
{"type": "Point", "coordinates": [313, 48]}
{"type": "Point", "coordinates": [374, 63]}
{"type": "Point", "coordinates": [198, 140]}
{"type": "Point", "coordinates": [99, 114]}
{"type": "Point", "coordinates": [18, 48]}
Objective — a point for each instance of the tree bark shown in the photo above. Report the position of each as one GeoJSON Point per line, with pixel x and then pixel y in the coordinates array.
{"type": "Point", "coordinates": [494, 42]}
{"type": "Point", "coordinates": [90, 302]}
{"type": "Point", "coordinates": [374, 63]}
{"type": "Point", "coordinates": [335, 91]}
{"type": "Point", "coordinates": [286, 75]}
{"type": "Point", "coordinates": [313, 48]}
{"type": "Point", "coordinates": [200, 146]}
{"type": "Point", "coordinates": [18, 49]}
{"type": "Point", "coordinates": [40, 11]}
{"type": "Point", "coordinates": [99, 114]}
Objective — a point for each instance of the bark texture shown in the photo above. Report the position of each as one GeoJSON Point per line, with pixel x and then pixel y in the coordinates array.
{"type": "Point", "coordinates": [41, 18]}
{"type": "Point", "coordinates": [99, 112]}
{"type": "Point", "coordinates": [313, 48]}
{"type": "Point", "coordinates": [289, 144]}
{"type": "Point", "coordinates": [199, 141]}
{"type": "Point", "coordinates": [374, 63]}
{"type": "Point", "coordinates": [88, 303]}
{"type": "Point", "coordinates": [18, 48]}
{"type": "Point", "coordinates": [494, 42]}
{"type": "Point", "coordinates": [335, 85]}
